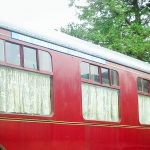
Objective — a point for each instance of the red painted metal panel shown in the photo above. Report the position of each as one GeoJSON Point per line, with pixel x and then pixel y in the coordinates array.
{"type": "Point", "coordinates": [25, 135]}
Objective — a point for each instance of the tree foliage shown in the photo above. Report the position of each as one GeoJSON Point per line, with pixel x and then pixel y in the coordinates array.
{"type": "Point", "coordinates": [121, 25]}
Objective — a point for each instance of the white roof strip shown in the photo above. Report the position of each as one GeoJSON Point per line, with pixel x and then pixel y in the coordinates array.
{"type": "Point", "coordinates": [74, 46]}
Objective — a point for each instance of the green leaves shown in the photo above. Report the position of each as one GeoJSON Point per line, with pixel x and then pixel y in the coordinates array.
{"type": "Point", "coordinates": [121, 25]}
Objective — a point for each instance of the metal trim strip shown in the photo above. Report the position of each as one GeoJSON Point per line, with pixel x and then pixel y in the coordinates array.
{"type": "Point", "coordinates": [72, 123]}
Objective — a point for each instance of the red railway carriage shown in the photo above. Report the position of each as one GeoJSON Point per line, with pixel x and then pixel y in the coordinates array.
{"type": "Point", "coordinates": [61, 93]}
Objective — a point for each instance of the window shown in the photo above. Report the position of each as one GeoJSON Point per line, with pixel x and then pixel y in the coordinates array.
{"type": "Point", "coordinates": [144, 108]}
{"type": "Point", "coordinates": [85, 70]}
{"type": "Point", "coordinates": [97, 74]}
{"type": "Point", "coordinates": [13, 53]}
{"type": "Point", "coordinates": [143, 85]}
{"type": "Point", "coordinates": [144, 100]}
{"type": "Point", "coordinates": [1, 50]}
{"type": "Point", "coordinates": [94, 73]}
{"type": "Point", "coordinates": [105, 76]}
{"type": "Point", "coordinates": [114, 78]}
{"type": "Point", "coordinates": [45, 61]}
{"type": "Point", "coordinates": [24, 92]}
{"type": "Point", "coordinates": [30, 59]}
{"type": "Point", "coordinates": [139, 84]}
{"type": "Point", "coordinates": [99, 100]}
{"type": "Point", "coordinates": [100, 103]}
{"type": "Point", "coordinates": [90, 72]}
{"type": "Point", "coordinates": [25, 57]}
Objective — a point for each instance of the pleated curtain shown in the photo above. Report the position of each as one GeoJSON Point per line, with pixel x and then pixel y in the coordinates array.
{"type": "Point", "coordinates": [24, 92]}
{"type": "Point", "coordinates": [144, 109]}
{"type": "Point", "coordinates": [100, 103]}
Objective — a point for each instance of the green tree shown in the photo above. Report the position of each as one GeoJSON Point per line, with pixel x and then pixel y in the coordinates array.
{"type": "Point", "coordinates": [121, 25]}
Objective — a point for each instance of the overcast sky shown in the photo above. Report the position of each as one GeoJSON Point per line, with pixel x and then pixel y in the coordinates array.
{"type": "Point", "coordinates": [37, 14]}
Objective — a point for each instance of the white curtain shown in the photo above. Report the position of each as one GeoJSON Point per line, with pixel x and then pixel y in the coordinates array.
{"type": "Point", "coordinates": [100, 103]}
{"type": "Point", "coordinates": [24, 92]}
{"type": "Point", "coordinates": [144, 109]}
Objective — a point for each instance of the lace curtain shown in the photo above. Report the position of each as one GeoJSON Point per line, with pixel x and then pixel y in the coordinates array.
{"type": "Point", "coordinates": [24, 92]}
{"type": "Point", "coordinates": [144, 109]}
{"type": "Point", "coordinates": [100, 103]}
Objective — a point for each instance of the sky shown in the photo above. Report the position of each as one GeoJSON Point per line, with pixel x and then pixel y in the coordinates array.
{"type": "Point", "coordinates": [37, 14]}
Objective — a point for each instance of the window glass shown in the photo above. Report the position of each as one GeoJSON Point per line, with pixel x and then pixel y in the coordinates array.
{"type": "Point", "coordinates": [30, 60]}
{"type": "Point", "coordinates": [139, 84]}
{"type": "Point", "coordinates": [114, 78]}
{"type": "Point", "coordinates": [45, 61]}
{"type": "Point", "coordinates": [84, 70]}
{"type": "Point", "coordinates": [145, 86]}
{"type": "Point", "coordinates": [13, 53]}
{"type": "Point", "coordinates": [105, 76]}
{"type": "Point", "coordinates": [1, 50]}
{"type": "Point", "coordinates": [144, 109]}
{"type": "Point", "coordinates": [24, 92]}
{"type": "Point", "coordinates": [94, 73]}
{"type": "Point", "coordinates": [100, 103]}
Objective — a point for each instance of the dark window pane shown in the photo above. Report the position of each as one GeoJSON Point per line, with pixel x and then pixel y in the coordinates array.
{"type": "Point", "coordinates": [30, 60]}
{"type": "Point", "coordinates": [145, 86]}
{"type": "Point", "coordinates": [45, 61]}
{"type": "Point", "coordinates": [105, 76]}
{"type": "Point", "coordinates": [1, 50]}
{"type": "Point", "coordinates": [84, 70]}
{"type": "Point", "coordinates": [94, 73]}
{"type": "Point", "coordinates": [139, 84]}
{"type": "Point", "coordinates": [13, 53]}
{"type": "Point", "coordinates": [115, 78]}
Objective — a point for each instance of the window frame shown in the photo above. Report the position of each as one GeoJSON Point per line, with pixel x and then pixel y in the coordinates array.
{"type": "Point", "coordinates": [110, 74]}
{"type": "Point", "coordinates": [21, 67]}
{"type": "Point", "coordinates": [38, 61]}
{"type": "Point", "coordinates": [5, 53]}
{"type": "Point", "coordinates": [90, 78]}
{"type": "Point", "coordinates": [100, 76]}
{"type": "Point", "coordinates": [142, 92]}
{"type": "Point", "coordinates": [36, 57]}
{"type": "Point", "coordinates": [89, 81]}
{"type": "Point", "coordinates": [109, 77]}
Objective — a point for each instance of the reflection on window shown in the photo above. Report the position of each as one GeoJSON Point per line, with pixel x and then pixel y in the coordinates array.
{"type": "Point", "coordinates": [105, 76]}
{"type": "Point", "coordinates": [84, 70]}
{"type": "Point", "coordinates": [13, 53]}
{"type": "Point", "coordinates": [1, 50]}
{"type": "Point", "coordinates": [145, 86]}
{"type": "Point", "coordinates": [98, 101]}
{"type": "Point", "coordinates": [94, 73]}
{"type": "Point", "coordinates": [30, 60]}
{"type": "Point", "coordinates": [114, 78]}
{"type": "Point", "coordinates": [45, 63]}
{"type": "Point", "coordinates": [139, 84]}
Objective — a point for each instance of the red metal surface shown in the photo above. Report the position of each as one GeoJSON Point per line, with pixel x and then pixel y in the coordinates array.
{"type": "Point", "coordinates": [66, 129]}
